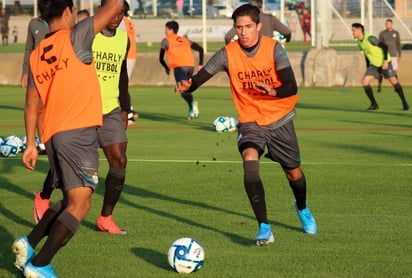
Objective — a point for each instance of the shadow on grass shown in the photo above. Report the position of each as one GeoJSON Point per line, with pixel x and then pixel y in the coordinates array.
{"type": "Point", "coordinates": [4, 107]}
{"type": "Point", "coordinates": [7, 185]}
{"type": "Point", "coordinates": [180, 120]}
{"type": "Point", "coordinates": [152, 257]}
{"type": "Point", "coordinates": [380, 112]}
{"type": "Point", "coordinates": [384, 125]}
{"type": "Point", "coordinates": [7, 257]}
{"type": "Point", "coordinates": [143, 193]}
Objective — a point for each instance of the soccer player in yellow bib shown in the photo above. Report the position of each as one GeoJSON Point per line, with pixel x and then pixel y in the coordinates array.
{"type": "Point", "coordinates": [378, 62]}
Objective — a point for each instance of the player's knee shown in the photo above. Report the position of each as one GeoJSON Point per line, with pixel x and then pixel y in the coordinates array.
{"type": "Point", "coordinates": [397, 87]}
{"type": "Point", "coordinates": [293, 174]}
{"type": "Point", "coordinates": [367, 88]}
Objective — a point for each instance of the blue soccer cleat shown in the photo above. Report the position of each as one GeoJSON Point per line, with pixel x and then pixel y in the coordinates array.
{"type": "Point", "coordinates": [24, 252]}
{"type": "Point", "coordinates": [31, 271]}
{"type": "Point", "coordinates": [265, 235]}
{"type": "Point", "coordinates": [308, 221]}
{"type": "Point", "coordinates": [190, 114]}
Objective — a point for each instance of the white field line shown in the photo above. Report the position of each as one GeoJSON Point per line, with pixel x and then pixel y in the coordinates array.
{"type": "Point", "coordinates": [136, 160]}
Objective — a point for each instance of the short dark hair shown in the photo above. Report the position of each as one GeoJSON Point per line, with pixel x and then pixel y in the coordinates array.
{"type": "Point", "coordinates": [84, 12]}
{"type": "Point", "coordinates": [173, 25]}
{"type": "Point", "coordinates": [389, 20]}
{"type": "Point", "coordinates": [247, 10]}
{"type": "Point", "coordinates": [358, 26]}
{"type": "Point", "coordinates": [126, 8]}
{"type": "Point", "coordinates": [257, 3]}
{"type": "Point", "coordinates": [52, 9]}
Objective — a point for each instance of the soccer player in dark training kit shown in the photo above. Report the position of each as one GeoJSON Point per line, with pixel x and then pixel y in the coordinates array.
{"type": "Point", "coordinates": [392, 39]}
{"type": "Point", "coordinates": [264, 92]}
{"type": "Point", "coordinates": [378, 62]}
{"type": "Point", "coordinates": [64, 77]}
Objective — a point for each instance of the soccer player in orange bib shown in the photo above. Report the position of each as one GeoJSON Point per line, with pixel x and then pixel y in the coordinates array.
{"type": "Point", "coordinates": [63, 75]}
{"type": "Point", "coordinates": [180, 58]}
{"type": "Point", "coordinates": [264, 92]}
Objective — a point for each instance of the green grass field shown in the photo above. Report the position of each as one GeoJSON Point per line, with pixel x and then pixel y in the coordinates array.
{"type": "Point", "coordinates": [144, 47]}
{"type": "Point", "coordinates": [186, 180]}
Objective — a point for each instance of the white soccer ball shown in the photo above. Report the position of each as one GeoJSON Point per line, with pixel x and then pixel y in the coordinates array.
{"type": "Point", "coordinates": [11, 146]}
{"type": "Point", "coordinates": [233, 123]}
{"type": "Point", "coordinates": [25, 142]}
{"type": "Point", "coordinates": [225, 124]}
{"type": "Point", "coordinates": [186, 255]}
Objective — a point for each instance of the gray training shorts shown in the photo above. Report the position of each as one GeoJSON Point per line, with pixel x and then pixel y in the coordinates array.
{"type": "Point", "coordinates": [74, 158]}
{"type": "Point", "coordinates": [376, 72]}
{"type": "Point", "coordinates": [279, 138]}
{"type": "Point", "coordinates": [112, 131]}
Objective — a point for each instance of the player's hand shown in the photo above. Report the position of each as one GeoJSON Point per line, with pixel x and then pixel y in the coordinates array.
{"type": "Point", "coordinates": [265, 88]}
{"type": "Point", "coordinates": [167, 71]}
{"type": "Point", "coordinates": [199, 67]}
{"type": "Point", "coordinates": [385, 65]}
{"type": "Point", "coordinates": [23, 81]}
{"type": "Point", "coordinates": [30, 157]}
{"type": "Point", "coordinates": [183, 86]}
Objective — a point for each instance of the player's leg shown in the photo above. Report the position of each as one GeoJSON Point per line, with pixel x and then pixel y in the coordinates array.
{"type": "Point", "coordinates": [283, 147]}
{"type": "Point", "coordinates": [380, 79]}
{"type": "Point", "coordinates": [80, 178]}
{"type": "Point", "coordinates": [371, 73]}
{"type": "Point", "coordinates": [394, 63]}
{"type": "Point", "coordinates": [42, 197]}
{"type": "Point", "coordinates": [398, 89]}
{"type": "Point", "coordinates": [390, 75]}
{"type": "Point", "coordinates": [114, 183]}
{"type": "Point", "coordinates": [62, 230]}
{"type": "Point", "coordinates": [251, 152]}
{"type": "Point", "coordinates": [24, 247]}
{"type": "Point", "coordinates": [113, 140]}
{"type": "Point", "coordinates": [184, 73]}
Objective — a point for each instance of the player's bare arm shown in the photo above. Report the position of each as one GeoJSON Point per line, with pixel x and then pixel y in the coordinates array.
{"type": "Point", "coordinates": [30, 117]}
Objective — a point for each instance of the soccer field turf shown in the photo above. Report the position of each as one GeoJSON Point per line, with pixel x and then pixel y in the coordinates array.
{"type": "Point", "coordinates": [186, 180]}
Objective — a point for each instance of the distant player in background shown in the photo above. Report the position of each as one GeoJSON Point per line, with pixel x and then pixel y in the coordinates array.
{"type": "Point", "coordinates": [264, 91]}
{"type": "Point", "coordinates": [270, 25]}
{"type": "Point", "coordinates": [128, 26]}
{"type": "Point", "coordinates": [306, 25]}
{"type": "Point", "coordinates": [392, 39]}
{"type": "Point", "coordinates": [36, 31]}
{"type": "Point", "coordinates": [114, 85]}
{"type": "Point", "coordinates": [4, 26]}
{"type": "Point", "coordinates": [180, 58]}
{"type": "Point", "coordinates": [72, 113]}
{"type": "Point", "coordinates": [15, 34]}
{"type": "Point", "coordinates": [378, 62]}
{"type": "Point", "coordinates": [82, 14]}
